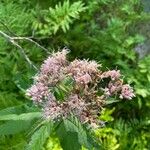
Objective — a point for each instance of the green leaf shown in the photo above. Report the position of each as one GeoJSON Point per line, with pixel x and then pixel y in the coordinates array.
{"type": "Point", "coordinates": [59, 17]}
{"type": "Point", "coordinates": [59, 94]}
{"type": "Point", "coordinates": [18, 109]}
{"type": "Point", "coordinates": [40, 136]}
{"type": "Point", "coordinates": [68, 140]}
{"type": "Point", "coordinates": [75, 126]}
{"type": "Point", "coordinates": [111, 101]}
{"type": "Point", "coordinates": [142, 92]}
{"type": "Point", "coordinates": [63, 88]}
{"type": "Point", "coordinates": [106, 115]}
{"type": "Point", "coordinates": [8, 98]}
{"type": "Point", "coordinates": [24, 116]}
{"type": "Point", "coordinates": [12, 110]}
{"type": "Point", "coordinates": [13, 127]}
{"type": "Point", "coordinates": [73, 135]}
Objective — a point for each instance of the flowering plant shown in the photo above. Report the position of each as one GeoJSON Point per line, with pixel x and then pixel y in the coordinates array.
{"type": "Point", "coordinates": [79, 87]}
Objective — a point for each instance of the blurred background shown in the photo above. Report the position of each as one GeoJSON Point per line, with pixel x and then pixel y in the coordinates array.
{"type": "Point", "coordinates": [116, 33]}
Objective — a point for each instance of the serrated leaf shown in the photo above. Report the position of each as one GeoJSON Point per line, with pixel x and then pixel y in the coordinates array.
{"type": "Point", "coordinates": [73, 135]}
{"type": "Point", "coordinates": [18, 109]}
{"type": "Point", "coordinates": [24, 116]}
{"type": "Point", "coordinates": [39, 137]}
{"type": "Point", "coordinates": [75, 126]}
{"type": "Point", "coordinates": [106, 115]}
{"type": "Point", "coordinates": [12, 110]}
{"type": "Point", "coordinates": [68, 140]}
{"type": "Point", "coordinates": [61, 16]}
{"type": "Point", "coordinates": [13, 127]}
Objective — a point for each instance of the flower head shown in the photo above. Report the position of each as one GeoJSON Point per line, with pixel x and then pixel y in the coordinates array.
{"type": "Point", "coordinates": [37, 92]}
{"type": "Point", "coordinates": [127, 92]}
{"type": "Point", "coordinates": [59, 97]}
{"type": "Point", "coordinates": [113, 74]}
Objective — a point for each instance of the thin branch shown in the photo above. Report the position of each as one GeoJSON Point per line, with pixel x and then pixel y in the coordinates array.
{"type": "Point", "coordinates": [32, 41]}
{"type": "Point", "coordinates": [12, 41]}
{"type": "Point", "coordinates": [24, 38]}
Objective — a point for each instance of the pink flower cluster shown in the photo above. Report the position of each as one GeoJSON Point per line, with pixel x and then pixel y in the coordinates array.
{"type": "Point", "coordinates": [82, 99]}
{"type": "Point", "coordinates": [83, 70]}
{"type": "Point", "coordinates": [116, 86]}
{"type": "Point", "coordinates": [126, 92]}
{"type": "Point", "coordinates": [113, 74]}
{"type": "Point", "coordinates": [38, 92]}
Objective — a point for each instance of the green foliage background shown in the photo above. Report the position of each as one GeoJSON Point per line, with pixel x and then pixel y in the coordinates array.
{"type": "Point", "coordinates": [104, 30]}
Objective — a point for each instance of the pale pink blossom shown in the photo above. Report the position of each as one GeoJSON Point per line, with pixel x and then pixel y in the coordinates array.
{"type": "Point", "coordinates": [84, 79]}
{"type": "Point", "coordinates": [37, 92]}
{"type": "Point", "coordinates": [114, 87]}
{"type": "Point", "coordinates": [60, 56]}
{"type": "Point", "coordinates": [52, 110]}
{"type": "Point", "coordinates": [92, 67]}
{"type": "Point", "coordinates": [50, 66]}
{"type": "Point", "coordinates": [83, 66]}
{"type": "Point", "coordinates": [74, 102]}
{"type": "Point", "coordinates": [54, 63]}
{"type": "Point", "coordinates": [113, 74]}
{"type": "Point", "coordinates": [127, 92]}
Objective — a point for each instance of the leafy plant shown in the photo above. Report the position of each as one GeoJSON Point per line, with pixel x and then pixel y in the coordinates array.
{"type": "Point", "coordinates": [105, 30]}
{"type": "Point", "coordinates": [59, 17]}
